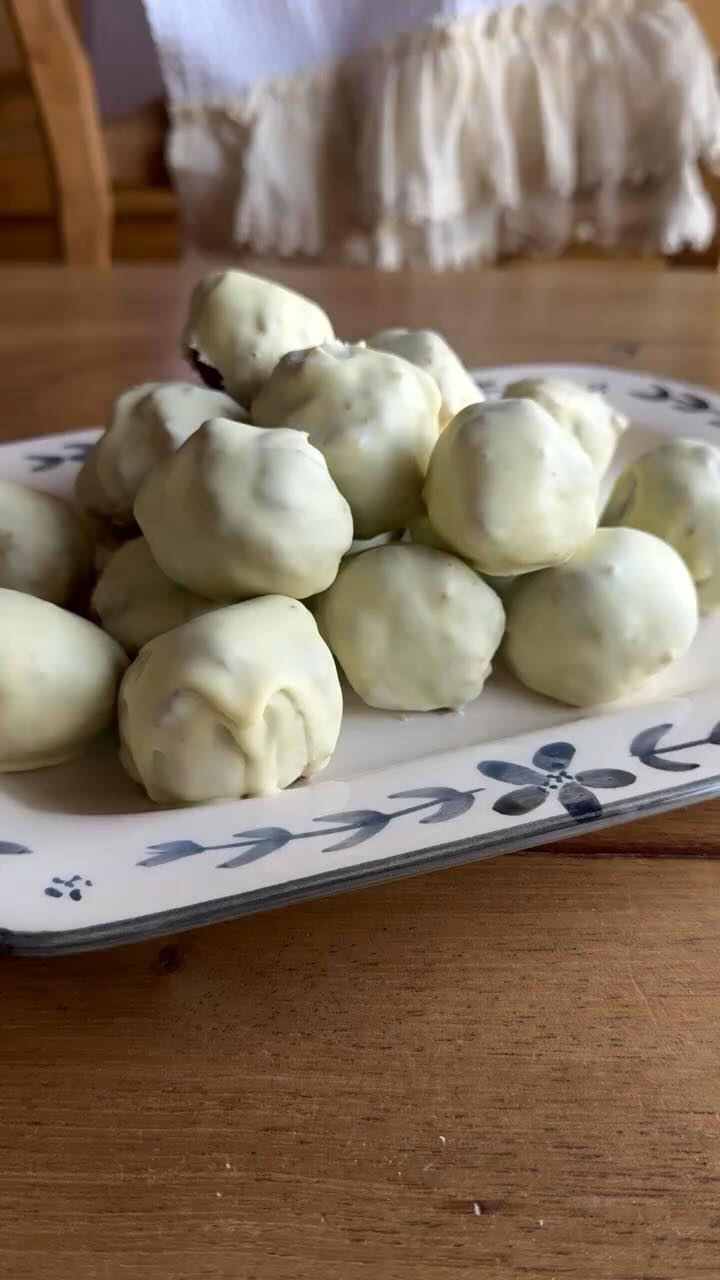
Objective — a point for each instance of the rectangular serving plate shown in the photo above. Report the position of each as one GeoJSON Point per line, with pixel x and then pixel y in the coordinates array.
{"type": "Point", "coordinates": [87, 862]}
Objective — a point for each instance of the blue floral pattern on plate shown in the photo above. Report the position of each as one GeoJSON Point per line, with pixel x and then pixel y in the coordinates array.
{"type": "Point", "coordinates": [549, 776]}
{"type": "Point", "coordinates": [72, 887]}
{"type": "Point", "coordinates": [575, 792]}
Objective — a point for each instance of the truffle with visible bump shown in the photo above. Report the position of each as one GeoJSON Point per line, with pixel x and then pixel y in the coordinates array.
{"type": "Point", "coordinates": [147, 423]}
{"type": "Point", "coordinates": [240, 325]}
{"type": "Point", "coordinates": [587, 415]}
{"type": "Point", "coordinates": [239, 511]}
{"type": "Point", "coordinates": [135, 601]}
{"type": "Point", "coordinates": [58, 681]}
{"type": "Point", "coordinates": [674, 492]}
{"type": "Point", "coordinates": [413, 629]}
{"type": "Point", "coordinates": [238, 702]}
{"type": "Point", "coordinates": [509, 489]}
{"type": "Point", "coordinates": [595, 628]}
{"type": "Point", "coordinates": [46, 548]}
{"type": "Point", "coordinates": [429, 351]}
{"type": "Point", "coordinates": [373, 416]}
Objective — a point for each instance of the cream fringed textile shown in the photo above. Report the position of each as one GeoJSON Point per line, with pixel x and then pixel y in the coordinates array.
{"type": "Point", "coordinates": [457, 140]}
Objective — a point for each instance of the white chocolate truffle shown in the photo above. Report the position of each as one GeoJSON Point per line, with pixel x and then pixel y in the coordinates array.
{"type": "Point", "coordinates": [593, 422]}
{"type": "Point", "coordinates": [240, 325]}
{"type": "Point", "coordinates": [45, 546]}
{"type": "Point", "coordinates": [372, 415]}
{"type": "Point", "coordinates": [238, 702]}
{"type": "Point", "coordinates": [58, 681]}
{"type": "Point", "coordinates": [429, 351]}
{"type": "Point", "coordinates": [135, 601]}
{"type": "Point", "coordinates": [239, 511]}
{"type": "Point", "coordinates": [599, 625]}
{"type": "Point", "coordinates": [674, 492]}
{"type": "Point", "coordinates": [509, 489]}
{"type": "Point", "coordinates": [413, 629]}
{"type": "Point", "coordinates": [422, 532]}
{"type": "Point", "coordinates": [147, 423]}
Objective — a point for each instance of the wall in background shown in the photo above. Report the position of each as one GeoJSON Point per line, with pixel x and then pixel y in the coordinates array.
{"type": "Point", "coordinates": [117, 37]}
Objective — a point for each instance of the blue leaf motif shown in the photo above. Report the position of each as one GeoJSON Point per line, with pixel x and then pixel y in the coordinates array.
{"type": "Point", "coordinates": [645, 746]}
{"type": "Point", "coordinates": [688, 402]}
{"type": "Point", "coordinates": [78, 450]}
{"type": "Point", "coordinates": [516, 774]}
{"type": "Point", "coordinates": [354, 817]}
{"type": "Point", "coordinates": [515, 803]}
{"type": "Point", "coordinates": [606, 778]}
{"type": "Point", "coordinates": [580, 803]}
{"type": "Point", "coordinates": [427, 793]}
{"type": "Point", "coordinates": [656, 393]}
{"type": "Point", "coordinates": [669, 766]}
{"type": "Point", "coordinates": [8, 846]}
{"type": "Point", "coordinates": [254, 850]}
{"type": "Point", "coordinates": [75, 451]}
{"type": "Point", "coordinates": [554, 756]}
{"type": "Point", "coordinates": [44, 461]}
{"type": "Point", "coordinates": [646, 742]}
{"type": "Point", "coordinates": [450, 802]}
{"type": "Point", "coordinates": [170, 851]}
{"type": "Point", "coordinates": [449, 809]}
{"type": "Point", "coordinates": [281, 834]}
{"type": "Point", "coordinates": [683, 401]}
{"type": "Point", "coordinates": [358, 836]}
{"type": "Point", "coordinates": [179, 847]}
{"type": "Point", "coordinates": [362, 825]}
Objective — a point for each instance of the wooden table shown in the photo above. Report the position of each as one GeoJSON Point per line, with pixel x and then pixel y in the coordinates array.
{"type": "Point", "coordinates": [507, 1070]}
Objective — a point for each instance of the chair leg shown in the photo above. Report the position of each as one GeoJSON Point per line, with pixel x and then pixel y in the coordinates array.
{"type": "Point", "coordinates": [63, 86]}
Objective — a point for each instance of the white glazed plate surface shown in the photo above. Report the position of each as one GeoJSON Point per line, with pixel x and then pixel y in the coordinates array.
{"type": "Point", "coordinates": [86, 861]}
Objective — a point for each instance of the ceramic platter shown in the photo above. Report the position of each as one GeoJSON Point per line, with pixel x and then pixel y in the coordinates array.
{"type": "Point", "coordinates": [86, 861]}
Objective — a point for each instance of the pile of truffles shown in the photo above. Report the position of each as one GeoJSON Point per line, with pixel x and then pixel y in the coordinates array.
{"type": "Point", "coordinates": [422, 527]}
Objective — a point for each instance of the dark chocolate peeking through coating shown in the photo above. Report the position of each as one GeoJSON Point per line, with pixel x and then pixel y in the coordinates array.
{"type": "Point", "coordinates": [209, 374]}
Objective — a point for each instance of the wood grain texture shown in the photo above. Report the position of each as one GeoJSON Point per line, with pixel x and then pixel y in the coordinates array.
{"type": "Point", "coordinates": [506, 1070]}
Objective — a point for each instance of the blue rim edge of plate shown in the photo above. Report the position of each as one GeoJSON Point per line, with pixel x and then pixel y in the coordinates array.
{"type": "Point", "coordinates": [434, 858]}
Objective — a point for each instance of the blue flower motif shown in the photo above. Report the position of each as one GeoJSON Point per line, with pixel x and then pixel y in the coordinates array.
{"type": "Point", "coordinates": [551, 774]}
{"type": "Point", "coordinates": [73, 887]}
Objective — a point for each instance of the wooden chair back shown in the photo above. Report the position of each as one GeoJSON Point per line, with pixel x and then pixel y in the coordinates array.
{"type": "Point", "coordinates": [64, 90]}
